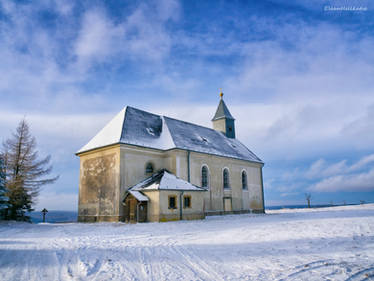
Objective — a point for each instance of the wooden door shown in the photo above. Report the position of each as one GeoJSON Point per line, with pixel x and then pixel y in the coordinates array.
{"type": "Point", "coordinates": [132, 210]}
{"type": "Point", "coordinates": [227, 204]}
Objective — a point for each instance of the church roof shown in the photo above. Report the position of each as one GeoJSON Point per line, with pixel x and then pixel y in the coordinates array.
{"type": "Point", "coordinates": [137, 127]}
{"type": "Point", "coordinates": [163, 180]}
{"type": "Point", "coordinates": [222, 111]}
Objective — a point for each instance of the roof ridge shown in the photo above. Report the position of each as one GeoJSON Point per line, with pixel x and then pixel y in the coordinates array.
{"type": "Point", "coordinates": [190, 123]}
{"type": "Point", "coordinates": [179, 120]}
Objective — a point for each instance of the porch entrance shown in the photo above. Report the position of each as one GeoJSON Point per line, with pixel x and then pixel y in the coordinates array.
{"type": "Point", "coordinates": [134, 210]}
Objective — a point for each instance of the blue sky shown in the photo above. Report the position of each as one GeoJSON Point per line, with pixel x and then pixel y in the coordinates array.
{"type": "Point", "coordinates": [297, 77]}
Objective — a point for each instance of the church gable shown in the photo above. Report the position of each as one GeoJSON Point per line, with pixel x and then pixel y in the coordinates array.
{"type": "Point", "coordinates": [110, 134]}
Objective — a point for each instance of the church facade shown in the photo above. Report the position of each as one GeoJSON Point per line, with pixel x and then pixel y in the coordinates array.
{"type": "Point", "coordinates": [146, 167]}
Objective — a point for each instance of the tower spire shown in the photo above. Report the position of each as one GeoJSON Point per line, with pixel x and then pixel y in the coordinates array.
{"type": "Point", "coordinates": [223, 120]}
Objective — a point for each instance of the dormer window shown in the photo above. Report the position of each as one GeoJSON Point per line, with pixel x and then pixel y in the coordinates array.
{"type": "Point", "coordinates": [149, 168]}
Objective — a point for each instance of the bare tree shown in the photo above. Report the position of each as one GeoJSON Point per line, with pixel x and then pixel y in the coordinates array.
{"type": "Point", "coordinates": [308, 196]}
{"type": "Point", "coordinates": [25, 172]}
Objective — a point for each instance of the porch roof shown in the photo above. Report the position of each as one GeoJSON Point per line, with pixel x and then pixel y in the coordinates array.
{"type": "Point", "coordinates": [163, 180]}
{"type": "Point", "coordinates": [138, 195]}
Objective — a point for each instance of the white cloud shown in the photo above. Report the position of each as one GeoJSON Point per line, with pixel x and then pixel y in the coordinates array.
{"type": "Point", "coordinates": [316, 168]}
{"type": "Point", "coordinates": [362, 163]}
{"type": "Point", "coordinates": [317, 91]}
{"type": "Point", "coordinates": [97, 36]}
{"type": "Point", "coordinates": [342, 177]}
{"type": "Point", "coordinates": [320, 169]}
{"type": "Point", "coordinates": [139, 36]}
{"type": "Point", "coordinates": [352, 183]}
{"type": "Point", "coordinates": [168, 9]}
{"type": "Point", "coordinates": [64, 7]}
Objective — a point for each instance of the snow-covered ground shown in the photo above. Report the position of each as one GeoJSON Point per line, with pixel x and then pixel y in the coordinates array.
{"type": "Point", "coordinates": [320, 244]}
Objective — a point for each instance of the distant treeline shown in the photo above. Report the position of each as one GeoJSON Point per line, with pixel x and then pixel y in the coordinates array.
{"type": "Point", "coordinates": [304, 206]}
{"type": "Point", "coordinates": [54, 216]}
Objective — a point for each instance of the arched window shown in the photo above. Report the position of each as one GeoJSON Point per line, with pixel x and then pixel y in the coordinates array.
{"type": "Point", "coordinates": [244, 180]}
{"type": "Point", "coordinates": [149, 168]}
{"type": "Point", "coordinates": [204, 176]}
{"type": "Point", "coordinates": [226, 182]}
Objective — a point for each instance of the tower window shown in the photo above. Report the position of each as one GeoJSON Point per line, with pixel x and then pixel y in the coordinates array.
{"type": "Point", "coordinates": [244, 180]}
{"type": "Point", "coordinates": [149, 168]}
{"type": "Point", "coordinates": [204, 176]}
{"type": "Point", "coordinates": [226, 183]}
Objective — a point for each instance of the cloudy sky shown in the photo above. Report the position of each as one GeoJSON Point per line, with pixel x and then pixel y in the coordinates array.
{"type": "Point", "coordinates": [297, 77]}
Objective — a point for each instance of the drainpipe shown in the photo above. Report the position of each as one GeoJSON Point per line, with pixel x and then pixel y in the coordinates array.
{"type": "Point", "coordinates": [188, 166]}
{"type": "Point", "coordinates": [181, 205]}
{"type": "Point", "coordinates": [262, 188]}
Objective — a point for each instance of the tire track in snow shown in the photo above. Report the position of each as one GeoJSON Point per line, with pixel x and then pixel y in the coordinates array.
{"type": "Point", "coordinates": [197, 265]}
{"type": "Point", "coordinates": [330, 270]}
{"type": "Point", "coordinates": [363, 275]}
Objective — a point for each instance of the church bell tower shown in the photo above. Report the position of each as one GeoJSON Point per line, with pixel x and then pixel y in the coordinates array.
{"type": "Point", "coordinates": [223, 120]}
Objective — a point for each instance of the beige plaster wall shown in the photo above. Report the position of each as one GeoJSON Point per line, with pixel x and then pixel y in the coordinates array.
{"type": "Point", "coordinates": [178, 163]}
{"type": "Point", "coordinates": [195, 212]}
{"type": "Point", "coordinates": [106, 174]}
{"type": "Point", "coordinates": [99, 184]}
{"type": "Point", "coordinates": [220, 125]}
{"type": "Point", "coordinates": [133, 164]}
{"type": "Point", "coordinates": [153, 208]}
{"type": "Point", "coordinates": [241, 199]}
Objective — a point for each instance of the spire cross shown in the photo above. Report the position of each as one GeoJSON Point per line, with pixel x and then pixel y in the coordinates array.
{"type": "Point", "coordinates": [220, 93]}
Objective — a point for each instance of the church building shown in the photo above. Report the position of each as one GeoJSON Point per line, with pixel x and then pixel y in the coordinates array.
{"type": "Point", "coordinates": [146, 167]}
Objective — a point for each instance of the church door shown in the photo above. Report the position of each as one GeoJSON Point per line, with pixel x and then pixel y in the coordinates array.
{"type": "Point", "coordinates": [132, 213]}
{"type": "Point", "coordinates": [227, 204]}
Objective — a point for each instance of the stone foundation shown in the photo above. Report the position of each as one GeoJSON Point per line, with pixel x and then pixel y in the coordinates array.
{"type": "Point", "coordinates": [99, 219]}
{"type": "Point", "coordinates": [176, 217]}
{"type": "Point", "coordinates": [220, 213]}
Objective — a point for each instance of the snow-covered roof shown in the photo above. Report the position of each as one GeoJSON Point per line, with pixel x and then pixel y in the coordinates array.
{"type": "Point", "coordinates": [163, 180]}
{"type": "Point", "coordinates": [137, 127]}
{"type": "Point", "coordinates": [138, 195]}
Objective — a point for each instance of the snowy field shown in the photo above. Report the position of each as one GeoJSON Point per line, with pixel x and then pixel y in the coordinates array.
{"type": "Point", "coordinates": [320, 244]}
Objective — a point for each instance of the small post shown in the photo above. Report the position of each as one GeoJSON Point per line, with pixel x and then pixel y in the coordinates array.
{"type": "Point", "coordinates": [308, 196]}
{"type": "Point", "coordinates": [44, 211]}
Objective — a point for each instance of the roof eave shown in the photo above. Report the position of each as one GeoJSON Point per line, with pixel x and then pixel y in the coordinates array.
{"type": "Point", "coordinates": [164, 150]}
{"type": "Point", "coordinates": [171, 189]}
{"type": "Point", "coordinates": [92, 149]}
